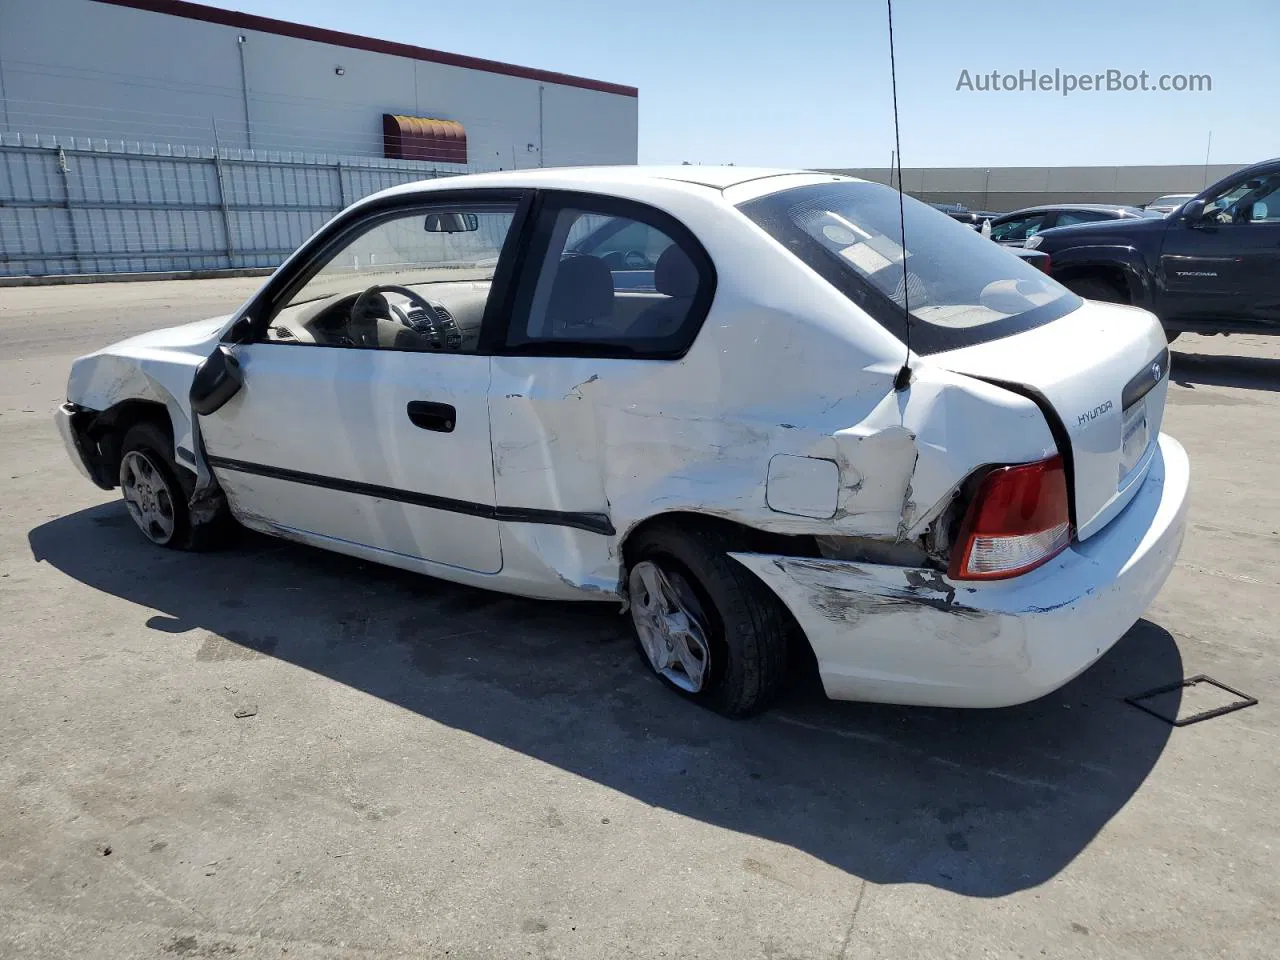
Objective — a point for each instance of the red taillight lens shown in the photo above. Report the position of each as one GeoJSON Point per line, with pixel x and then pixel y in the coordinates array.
{"type": "Point", "coordinates": [1045, 262]}
{"type": "Point", "coordinates": [1018, 519]}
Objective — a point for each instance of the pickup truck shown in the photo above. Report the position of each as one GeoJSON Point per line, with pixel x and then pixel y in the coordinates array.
{"type": "Point", "coordinates": [1210, 266]}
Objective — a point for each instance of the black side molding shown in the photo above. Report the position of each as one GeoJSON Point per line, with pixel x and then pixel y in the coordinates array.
{"type": "Point", "coordinates": [590, 522]}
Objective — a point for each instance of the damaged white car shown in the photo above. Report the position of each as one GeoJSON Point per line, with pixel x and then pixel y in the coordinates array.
{"type": "Point", "coordinates": [687, 389]}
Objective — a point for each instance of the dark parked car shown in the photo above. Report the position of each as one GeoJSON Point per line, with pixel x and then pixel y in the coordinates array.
{"type": "Point", "coordinates": [1167, 203]}
{"type": "Point", "coordinates": [1013, 229]}
{"type": "Point", "coordinates": [1212, 266]}
{"type": "Point", "coordinates": [958, 211]}
{"type": "Point", "coordinates": [1041, 261]}
{"type": "Point", "coordinates": [973, 218]}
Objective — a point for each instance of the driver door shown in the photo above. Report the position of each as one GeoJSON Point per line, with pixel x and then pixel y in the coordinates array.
{"type": "Point", "coordinates": [363, 419]}
{"type": "Point", "coordinates": [1226, 264]}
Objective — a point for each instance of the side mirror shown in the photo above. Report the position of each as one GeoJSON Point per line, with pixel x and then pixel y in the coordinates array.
{"type": "Point", "coordinates": [451, 223]}
{"type": "Point", "coordinates": [217, 380]}
{"type": "Point", "coordinates": [1193, 212]}
{"type": "Point", "coordinates": [240, 331]}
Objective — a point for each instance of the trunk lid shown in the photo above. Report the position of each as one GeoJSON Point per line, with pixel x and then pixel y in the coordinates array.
{"type": "Point", "coordinates": [1103, 371]}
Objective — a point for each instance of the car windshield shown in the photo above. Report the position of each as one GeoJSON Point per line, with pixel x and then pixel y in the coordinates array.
{"type": "Point", "coordinates": [959, 287]}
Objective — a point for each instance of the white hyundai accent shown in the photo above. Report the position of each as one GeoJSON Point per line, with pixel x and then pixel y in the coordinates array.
{"type": "Point", "coordinates": [690, 390]}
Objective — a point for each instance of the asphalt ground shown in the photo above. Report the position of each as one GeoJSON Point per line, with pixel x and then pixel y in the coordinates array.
{"type": "Point", "coordinates": [424, 770]}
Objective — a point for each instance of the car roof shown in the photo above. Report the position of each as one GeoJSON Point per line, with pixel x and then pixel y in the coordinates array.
{"type": "Point", "coordinates": [1260, 169]}
{"type": "Point", "coordinates": [713, 177]}
{"type": "Point", "coordinates": [1046, 207]}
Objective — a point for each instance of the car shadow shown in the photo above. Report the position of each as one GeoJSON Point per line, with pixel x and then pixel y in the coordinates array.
{"type": "Point", "coordinates": [982, 803]}
{"type": "Point", "coordinates": [1212, 369]}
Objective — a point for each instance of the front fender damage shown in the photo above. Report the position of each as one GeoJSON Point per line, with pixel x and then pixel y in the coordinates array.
{"type": "Point", "coordinates": [105, 382]}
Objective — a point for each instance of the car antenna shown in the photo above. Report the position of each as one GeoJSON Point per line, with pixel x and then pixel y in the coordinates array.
{"type": "Point", "coordinates": [903, 378]}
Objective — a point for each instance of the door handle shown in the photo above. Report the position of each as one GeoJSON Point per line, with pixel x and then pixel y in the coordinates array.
{"type": "Point", "coordinates": [440, 417]}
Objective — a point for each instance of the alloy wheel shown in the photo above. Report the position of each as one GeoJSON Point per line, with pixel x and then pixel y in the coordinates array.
{"type": "Point", "coordinates": [147, 496]}
{"type": "Point", "coordinates": [670, 624]}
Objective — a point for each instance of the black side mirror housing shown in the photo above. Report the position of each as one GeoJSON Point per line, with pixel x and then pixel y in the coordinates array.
{"type": "Point", "coordinates": [240, 331]}
{"type": "Point", "coordinates": [1193, 212]}
{"type": "Point", "coordinates": [217, 380]}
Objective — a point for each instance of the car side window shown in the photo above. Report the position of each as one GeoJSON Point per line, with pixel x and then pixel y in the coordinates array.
{"type": "Point", "coordinates": [624, 245]}
{"type": "Point", "coordinates": [1067, 217]}
{"type": "Point", "coordinates": [1018, 229]}
{"type": "Point", "coordinates": [1265, 204]}
{"type": "Point", "coordinates": [631, 284]}
{"type": "Point", "coordinates": [1253, 201]}
{"type": "Point", "coordinates": [418, 281]}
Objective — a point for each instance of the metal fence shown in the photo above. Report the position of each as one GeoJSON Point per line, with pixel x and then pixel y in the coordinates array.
{"type": "Point", "coordinates": [75, 205]}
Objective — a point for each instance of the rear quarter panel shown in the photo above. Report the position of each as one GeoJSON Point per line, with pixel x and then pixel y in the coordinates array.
{"type": "Point", "coordinates": [784, 364]}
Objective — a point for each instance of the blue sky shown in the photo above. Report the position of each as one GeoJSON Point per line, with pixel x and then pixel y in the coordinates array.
{"type": "Point", "coordinates": [806, 82]}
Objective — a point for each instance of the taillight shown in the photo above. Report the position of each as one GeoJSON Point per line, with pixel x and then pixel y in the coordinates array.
{"type": "Point", "coordinates": [1045, 262]}
{"type": "Point", "coordinates": [1018, 519]}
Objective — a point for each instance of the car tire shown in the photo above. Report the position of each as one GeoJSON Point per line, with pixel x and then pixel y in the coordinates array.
{"type": "Point", "coordinates": [1095, 288]}
{"type": "Point", "coordinates": [157, 492]}
{"type": "Point", "coordinates": [746, 629]}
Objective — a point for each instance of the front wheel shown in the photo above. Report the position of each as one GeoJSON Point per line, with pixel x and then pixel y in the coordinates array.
{"type": "Point", "coordinates": [157, 493]}
{"type": "Point", "coordinates": [703, 622]}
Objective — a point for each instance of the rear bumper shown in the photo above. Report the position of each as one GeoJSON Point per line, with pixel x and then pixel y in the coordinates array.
{"type": "Point", "coordinates": [901, 635]}
{"type": "Point", "coordinates": [70, 420]}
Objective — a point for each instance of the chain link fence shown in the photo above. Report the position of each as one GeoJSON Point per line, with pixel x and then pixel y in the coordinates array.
{"type": "Point", "coordinates": [88, 206]}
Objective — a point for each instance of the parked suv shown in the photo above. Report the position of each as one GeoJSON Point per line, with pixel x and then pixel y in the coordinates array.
{"type": "Point", "coordinates": [1211, 266]}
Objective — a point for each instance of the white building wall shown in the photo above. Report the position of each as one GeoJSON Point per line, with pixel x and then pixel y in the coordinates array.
{"type": "Point", "coordinates": [82, 68]}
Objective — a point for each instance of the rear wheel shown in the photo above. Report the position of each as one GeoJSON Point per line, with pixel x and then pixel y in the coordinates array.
{"type": "Point", "coordinates": [157, 492]}
{"type": "Point", "coordinates": [704, 623]}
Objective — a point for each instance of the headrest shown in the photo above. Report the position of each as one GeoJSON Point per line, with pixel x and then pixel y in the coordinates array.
{"type": "Point", "coordinates": [675, 275]}
{"type": "Point", "coordinates": [581, 292]}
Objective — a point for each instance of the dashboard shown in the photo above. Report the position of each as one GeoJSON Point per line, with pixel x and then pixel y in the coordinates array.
{"type": "Point", "coordinates": [391, 320]}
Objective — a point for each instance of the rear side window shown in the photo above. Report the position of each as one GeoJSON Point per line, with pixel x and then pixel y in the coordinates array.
{"type": "Point", "coordinates": [958, 286]}
{"type": "Point", "coordinates": [1018, 229]}
{"type": "Point", "coordinates": [626, 246]}
{"type": "Point", "coordinates": [614, 279]}
{"type": "Point", "coordinates": [1067, 218]}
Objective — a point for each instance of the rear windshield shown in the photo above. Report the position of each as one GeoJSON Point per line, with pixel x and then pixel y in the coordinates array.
{"type": "Point", "coordinates": [961, 288]}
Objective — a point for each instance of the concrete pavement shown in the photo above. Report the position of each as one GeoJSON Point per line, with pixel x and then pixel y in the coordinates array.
{"type": "Point", "coordinates": [423, 770]}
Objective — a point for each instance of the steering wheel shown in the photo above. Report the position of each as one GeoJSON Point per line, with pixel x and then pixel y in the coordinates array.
{"type": "Point", "coordinates": [635, 259]}
{"type": "Point", "coordinates": [360, 309]}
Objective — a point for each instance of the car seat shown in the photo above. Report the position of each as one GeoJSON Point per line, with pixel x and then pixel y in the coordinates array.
{"type": "Point", "coordinates": [676, 277]}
